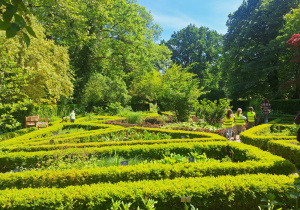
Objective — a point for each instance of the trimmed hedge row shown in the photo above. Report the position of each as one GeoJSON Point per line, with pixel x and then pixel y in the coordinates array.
{"type": "Point", "coordinates": [99, 119]}
{"type": "Point", "coordinates": [289, 150]}
{"type": "Point", "coordinates": [290, 106]}
{"type": "Point", "coordinates": [225, 192]}
{"type": "Point", "coordinates": [17, 133]}
{"type": "Point", "coordinates": [49, 133]}
{"type": "Point", "coordinates": [93, 136]}
{"type": "Point", "coordinates": [9, 161]}
{"type": "Point", "coordinates": [28, 148]}
{"type": "Point", "coordinates": [217, 150]}
{"type": "Point", "coordinates": [258, 162]}
{"type": "Point", "coordinates": [255, 137]}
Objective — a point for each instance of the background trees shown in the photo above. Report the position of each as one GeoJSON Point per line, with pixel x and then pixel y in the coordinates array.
{"type": "Point", "coordinates": [37, 74]}
{"type": "Point", "coordinates": [112, 38]}
{"type": "Point", "coordinates": [252, 57]}
{"type": "Point", "coordinates": [199, 50]}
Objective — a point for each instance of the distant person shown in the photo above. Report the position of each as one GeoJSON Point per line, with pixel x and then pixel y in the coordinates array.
{"type": "Point", "coordinates": [266, 109]}
{"type": "Point", "coordinates": [228, 123]}
{"type": "Point", "coordinates": [158, 110]}
{"type": "Point", "coordinates": [72, 116]}
{"type": "Point", "coordinates": [239, 122]}
{"type": "Point", "coordinates": [297, 122]}
{"type": "Point", "coordinates": [251, 118]}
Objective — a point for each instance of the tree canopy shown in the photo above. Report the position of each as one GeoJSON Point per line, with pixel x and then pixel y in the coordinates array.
{"type": "Point", "coordinates": [199, 50]}
{"type": "Point", "coordinates": [252, 56]}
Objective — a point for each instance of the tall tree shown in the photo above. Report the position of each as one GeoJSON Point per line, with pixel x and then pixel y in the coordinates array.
{"type": "Point", "coordinates": [199, 51]}
{"type": "Point", "coordinates": [251, 60]}
{"type": "Point", "coordinates": [45, 64]}
{"type": "Point", "coordinates": [113, 38]}
{"type": "Point", "coordinates": [290, 74]}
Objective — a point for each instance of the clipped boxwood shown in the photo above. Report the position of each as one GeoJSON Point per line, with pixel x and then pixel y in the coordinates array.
{"type": "Point", "coordinates": [289, 150]}
{"type": "Point", "coordinates": [17, 133]}
{"type": "Point", "coordinates": [218, 150]}
{"type": "Point", "coordinates": [225, 192]}
{"type": "Point", "coordinates": [84, 139]}
{"type": "Point", "coordinates": [258, 162]}
{"type": "Point", "coordinates": [48, 133]}
{"type": "Point", "coordinates": [58, 146]}
{"type": "Point", "coordinates": [255, 137]}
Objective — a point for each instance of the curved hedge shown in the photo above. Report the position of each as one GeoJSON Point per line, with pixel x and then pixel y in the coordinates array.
{"type": "Point", "coordinates": [10, 135]}
{"type": "Point", "coordinates": [254, 136]}
{"type": "Point", "coordinates": [84, 139]}
{"type": "Point", "coordinates": [225, 192]}
{"type": "Point", "coordinates": [256, 161]}
{"type": "Point", "coordinates": [49, 133]}
{"type": "Point", "coordinates": [289, 150]}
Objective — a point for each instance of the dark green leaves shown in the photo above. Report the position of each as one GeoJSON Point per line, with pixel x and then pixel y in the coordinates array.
{"type": "Point", "coordinates": [10, 15]}
{"type": "Point", "coordinates": [12, 30]}
{"type": "Point", "coordinates": [19, 20]}
{"type": "Point", "coordinates": [30, 31]}
{"type": "Point", "coordinates": [26, 39]}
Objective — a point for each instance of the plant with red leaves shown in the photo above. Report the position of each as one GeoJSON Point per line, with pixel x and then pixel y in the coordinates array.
{"type": "Point", "coordinates": [294, 41]}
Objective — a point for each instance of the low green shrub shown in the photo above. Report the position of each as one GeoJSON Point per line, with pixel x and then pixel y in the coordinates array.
{"type": "Point", "coordinates": [213, 111]}
{"type": "Point", "coordinates": [288, 149]}
{"type": "Point", "coordinates": [10, 135]}
{"type": "Point", "coordinates": [84, 138]}
{"type": "Point", "coordinates": [57, 145]}
{"type": "Point", "coordinates": [216, 150]}
{"type": "Point", "coordinates": [50, 133]}
{"type": "Point", "coordinates": [135, 118]}
{"type": "Point", "coordinates": [224, 192]}
{"type": "Point", "coordinates": [255, 136]}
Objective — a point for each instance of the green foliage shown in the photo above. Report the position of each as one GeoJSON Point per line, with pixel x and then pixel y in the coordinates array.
{"type": "Point", "coordinates": [114, 108]}
{"type": "Point", "coordinates": [199, 51]}
{"type": "Point", "coordinates": [44, 67]}
{"type": "Point", "coordinates": [256, 136]}
{"type": "Point", "coordinates": [135, 118]}
{"type": "Point", "coordinates": [245, 192]}
{"type": "Point", "coordinates": [111, 38]}
{"type": "Point", "coordinates": [179, 92]}
{"type": "Point", "coordinates": [10, 135]}
{"type": "Point", "coordinates": [246, 159]}
{"type": "Point", "coordinates": [288, 149]}
{"type": "Point", "coordinates": [213, 111]}
{"type": "Point", "coordinates": [254, 55]}
{"type": "Point", "coordinates": [13, 100]}
{"type": "Point", "coordinates": [102, 91]}
{"type": "Point", "coordinates": [14, 18]}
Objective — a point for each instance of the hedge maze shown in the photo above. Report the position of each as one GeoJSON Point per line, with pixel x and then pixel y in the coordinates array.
{"type": "Point", "coordinates": [91, 165]}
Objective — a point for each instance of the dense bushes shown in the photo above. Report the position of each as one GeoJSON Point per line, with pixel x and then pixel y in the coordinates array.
{"type": "Point", "coordinates": [256, 161]}
{"type": "Point", "coordinates": [286, 106]}
{"type": "Point", "coordinates": [17, 133]}
{"type": "Point", "coordinates": [226, 192]}
{"type": "Point", "coordinates": [217, 150]}
{"type": "Point", "coordinates": [289, 150]}
{"type": "Point", "coordinates": [255, 136]}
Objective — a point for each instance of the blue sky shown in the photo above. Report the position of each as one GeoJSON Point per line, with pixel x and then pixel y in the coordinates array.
{"type": "Point", "coordinates": [173, 15]}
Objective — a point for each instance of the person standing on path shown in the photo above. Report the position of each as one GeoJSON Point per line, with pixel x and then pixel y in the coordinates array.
{"type": "Point", "coordinates": [72, 116]}
{"type": "Point", "coordinates": [266, 109]}
{"type": "Point", "coordinates": [239, 122]}
{"type": "Point", "coordinates": [228, 123]}
{"type": "Point", "coordinates": [251, 118]}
